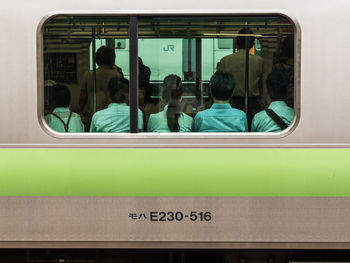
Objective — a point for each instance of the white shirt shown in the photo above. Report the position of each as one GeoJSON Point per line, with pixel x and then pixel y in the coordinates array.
{"type": "Point", "coordinates": [158, 122]}
{"type": "Point", "coordinates": [115, 118]}
{"type": "Point", "coordinates": [75, 124]}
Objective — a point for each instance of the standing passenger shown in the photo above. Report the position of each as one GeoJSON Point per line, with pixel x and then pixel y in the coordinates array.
{"type": "Point", "coordinates": [105, 59]}
{"type": "Point", "coordinates": [171, 119]}
{"type": "Point", "coordinates": [282, 115]}
{"type": "Point", "coordinates": [62, 119]}
{"type": "Point", "coordinates": [116, 117]}
{"type": "Point", "coordinates": [235, 64]}
{"type": "Point", "coordinates": [221, 117]}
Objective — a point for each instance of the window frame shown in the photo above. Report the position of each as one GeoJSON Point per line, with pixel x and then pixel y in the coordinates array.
{"type": "Point", "coordinates": [134, 81]}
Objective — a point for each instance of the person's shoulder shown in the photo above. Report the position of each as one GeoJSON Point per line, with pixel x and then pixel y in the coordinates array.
{"type": "Point", "coordinates": [228, 57]}
{"type": "Point", "coordinates": [48, 118]}
{"type": "Point", "coordinates": [200, 114]}
{"type": "Point", "coordinates": [260, 115]}
{"type": "Point", "coordinates": [99, 113]}
{"type": "Point", "coordinates": [238, 111]}
{"type": "Point", "coordinates": [187, 117]}
{"type": "Point", "coordinates": [75, 115]}
{"type": "Point", "coordinates": [257, 59]}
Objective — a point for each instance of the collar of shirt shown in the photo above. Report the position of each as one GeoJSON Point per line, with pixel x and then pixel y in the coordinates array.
{"type": "Point", "coordinates": [278, 103]}
{"type": "Point", "coordinates": [221, 106]}
{"type": "Point", "coordinates": [113, 104]}
{"type": "Point", "coordinates": [60, 109]}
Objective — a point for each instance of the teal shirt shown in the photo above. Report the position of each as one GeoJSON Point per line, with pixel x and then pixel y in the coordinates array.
{"type": "Point", "coordinates": [115, 118]}
{"type": "Point", "coordinates": [221, 118]}
{"type": "Point", "coordinates": [158, 122]}
{"type": "Point", "coordinates": [263, 123]}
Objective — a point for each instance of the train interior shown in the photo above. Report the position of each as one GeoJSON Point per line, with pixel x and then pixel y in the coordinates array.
{"type": "Point", "coordinates": [190, 47]}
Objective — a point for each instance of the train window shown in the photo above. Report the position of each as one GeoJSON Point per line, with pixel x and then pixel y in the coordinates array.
{"type": "Point", "coordinates": [169, 73]}
{"type": "Point", "coordinates": [86, 72]}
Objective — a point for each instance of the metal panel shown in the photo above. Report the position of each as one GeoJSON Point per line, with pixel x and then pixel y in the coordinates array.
{"type": "Point", "coordinates": [238, 221]}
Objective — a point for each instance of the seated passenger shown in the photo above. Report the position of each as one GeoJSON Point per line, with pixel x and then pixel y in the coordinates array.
{"type": "Point", "coordinates": [116, 117]}
{"type": "Point", "coordinates": [62, 119]}
{"type": "Point", "coordinates": [221, 117]}
{"type": "Point", "coordinates": [278, 116]}
{"type": "Point", "coordinates": [171, 119]}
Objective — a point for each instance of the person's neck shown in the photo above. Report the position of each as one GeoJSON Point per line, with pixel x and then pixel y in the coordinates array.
{"type": "Point", "coordinates": [104, 67]}
{"type": "Point", "coordinates": [216, 101]}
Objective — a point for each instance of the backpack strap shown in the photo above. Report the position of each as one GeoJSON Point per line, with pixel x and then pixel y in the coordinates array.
{"type": "Point", "coordinates": [277, 119]}
{"type": "Point", "coordinates": [65, 125]}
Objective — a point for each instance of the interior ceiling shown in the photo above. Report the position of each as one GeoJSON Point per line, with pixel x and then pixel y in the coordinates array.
{"type": "Point", "coordinates": [164, 27]}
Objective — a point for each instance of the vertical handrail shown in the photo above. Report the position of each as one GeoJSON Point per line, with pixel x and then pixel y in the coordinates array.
{"type": "Point", "coordinates": [246, 83]}
{"type": "Point", "coordinates": [134, 74]}
{"type": "Point", "coordinates": [199, 66]}
{"type": "Point", "coordinates": [94, 65]}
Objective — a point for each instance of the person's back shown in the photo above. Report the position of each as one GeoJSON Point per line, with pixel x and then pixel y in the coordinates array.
{"type": "Point", "coordinates": [171, 119]}
{"type": "Point", "coordinates": [116, 117]}
{"type": "Point", "coordinates": [158, 122]}
{"type": "Point", "coordinates": [103, 76]}
{"type": "Point", "coordinates": [221, 117]}
{"type": "Point", "coordinates": [235, 64]}
{"type": "Point", "coordinates": [62, 119]}
{"type": "Point", "coordinates": [277, 84]}
{"type": "Point", "coordinates": [97, 91]}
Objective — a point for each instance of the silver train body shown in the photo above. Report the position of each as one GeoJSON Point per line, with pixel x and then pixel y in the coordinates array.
{"type": "Point", "coordinates": [322, 106]}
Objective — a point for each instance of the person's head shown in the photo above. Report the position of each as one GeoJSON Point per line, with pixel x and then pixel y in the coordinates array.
{"type": "Point", "coordinates": [105, 56]}
{"type": "Point", "coordinates": [172, 92]}
{"type": "Point", "coordinates": [172, 88]}
{"type": "Point", "coordinates": [61, 96]}
{"type": "Point", "coordinates": [277, 83]}
{"type": "Point", "coordinates": [241, 38]}
{"type": "Point", "coordinates": [221, 85]}
{"type": "Point", "coordinates": [144, 74]}
{"type": "Point", "coordinates": [118, 90]}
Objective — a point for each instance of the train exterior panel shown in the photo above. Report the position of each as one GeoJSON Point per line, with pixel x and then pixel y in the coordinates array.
{"type": "Point", "coordinates": [283, 190]}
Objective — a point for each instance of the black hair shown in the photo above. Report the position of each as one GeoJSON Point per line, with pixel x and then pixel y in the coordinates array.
{"type": "Point", "coordinates": [118, 89]}
{"type": "Point", "coordinates": [105, 56]}
{"type": "Point", "coordinates": [144, 74]}
{"type": "Point", "coordinates": [222, 85]}
{"type": "Point", "coordinates": [172, 91]}
{"type": "Point", "coordinates": [241, 39]}
{"type": "Point", "coordinates": [61, 95]}
{"type": "Point", "coordinates": [277, 83]}
{"type": "Point", "coordinates": [287, 49]}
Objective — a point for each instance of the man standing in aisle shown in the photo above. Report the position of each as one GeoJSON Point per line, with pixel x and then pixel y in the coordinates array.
{"type": "Point", "coordinates": [236, 65]}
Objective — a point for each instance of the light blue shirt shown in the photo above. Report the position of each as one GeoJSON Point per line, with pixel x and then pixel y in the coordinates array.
{"type": "Point", "coordinates": [263, 123]}
{"type": "Point", "coordinates": [158, 122]}
{"type": "Point", "coordinates": [221, 118]}
{"type": "Point", "coordinates": [75, 124]}
{"type": "Point", "coordinates": [115, 118]}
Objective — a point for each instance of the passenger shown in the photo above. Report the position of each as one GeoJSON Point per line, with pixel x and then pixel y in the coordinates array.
{"type": "Point", "coordinates": [285, 62]}
{"type": "Point", "coordinates": [171, 119]}
{"type": "Point", "coordinates": [105, 59]}
{"type": "Point", "coordinates": [62, 119]}
{"type": "Point", "coordinates": [278, 116]}
{"type": "Point", "coordinates": [147, 104]}
{"type": "Point", "coordinates": [221, 117]}
{"type": "Point", "coordinates": [235, 64]}
{"type": "Point", "coordinates": [116, 117]}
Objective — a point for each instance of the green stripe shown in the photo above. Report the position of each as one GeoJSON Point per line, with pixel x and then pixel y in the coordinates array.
{"type": "Point", "coordinates": [174, 172]}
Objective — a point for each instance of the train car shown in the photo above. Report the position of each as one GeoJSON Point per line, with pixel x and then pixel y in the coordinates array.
{"type": "Point", "coordinates": [141, 196]}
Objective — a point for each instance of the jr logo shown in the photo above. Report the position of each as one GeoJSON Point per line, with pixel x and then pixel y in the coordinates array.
{"type": "Point", "coordinates": [169, 48]}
